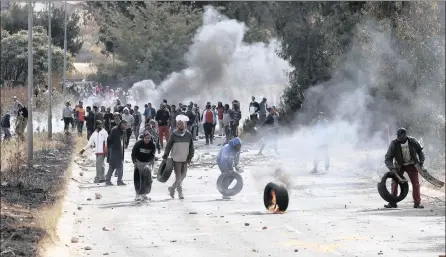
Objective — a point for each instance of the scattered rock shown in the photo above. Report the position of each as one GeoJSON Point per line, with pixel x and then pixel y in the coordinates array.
{"type": "Point", "coordinates": [380, 252]}
{"type": "Point", "coordinates": [246, 224]}
{"type": "Point", "coordinates": [264, 228]}
{"type": "Point", "coordinates": [88, 248]}
{"type": "Point", "coordinates": [105, 229]}
{"type": "Point", "coordinates": [255, 250]}
{"type": "Point", "coordinates": [88, 199]}
{"type": "Point", "coordinates": [105, 254]}
{"type": "Point", "coordinates": [79, 208]}
{"type": "Point", "coordinates": [81, 173]}
{"type": "Point", "coordinates": [192, 212]}
{"type": "Point", "coordinates": [173, 241]}
{"type": "Point", "coordinates": [74, 240]}
{"type": "Point", "coordinates": [97, 196]}
{"type": "Point", "coordinates": [295, 250]}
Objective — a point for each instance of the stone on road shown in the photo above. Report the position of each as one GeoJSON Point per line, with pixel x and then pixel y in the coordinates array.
{"type": "Point", "coordinates": [317, 222]}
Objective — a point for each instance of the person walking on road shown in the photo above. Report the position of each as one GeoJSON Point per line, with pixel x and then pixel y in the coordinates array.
{"type": "Point", "coordinates": [220, 110]}
{"type": "Point", "coordinates": [89, 123]}
{"type": "Point", "coordinates": [115, 153]}
{"type": "Point", "coordinates": [80, 114]}
{"type": "Point", "coordinates": [67, 117]}
{"type": "Point", "coordinates": [208, 123]}
{"type": "Point", "coordinates": [137, 118]}
{"type": "Point", "coordinates": [108, 117]}
{"type": "Point", "coordinates": [405, 154]}
{"type": "Point", "coordinates": [130, 121]}
{"type": "Point", "coordinates": [181, 148]}
{"type": "Point", "coordinates": [227, 123]}
{"type": "Point", "coordinates": [228, 159]}
{"type": "Point", "coordinates": [143, 157]}
{"type": "Point", "coordinates": [99, 139]}
{"type": "Point", "coordinates": [254, 108]}
{"type": "Point", "coordinates": [162, 116]}
{"type": "Point", "coordinates": [270, 130]}
{"type": "Point", "coordinates": [262, 110]}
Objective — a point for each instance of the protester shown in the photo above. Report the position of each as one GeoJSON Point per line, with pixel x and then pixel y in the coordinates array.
{"type": "Point", "coordinates": [89, 122]}
{"type": "Point", "coordinates": [99, 139]}
{"type": "Point", "coordinates": [208, 122]}
{"type": "Point", "coordinates": [80, 114]}
{"type": "Point", "coordinates": [262, 110]}
{"type": "Point", "coordinates": [130, 121]}
{"type": "Point", "coordinates": [405, 154]}
{"type": "Point", "coordinates": [21, 122]}
{"type": "Point", "coordinates": [270, 130]}
{"type": "Point", "coordinates": [162, 116]}
{"type": "Point", "coordinates": [181, 148]}
{"type": "Point", "coordinates": [227, 123]}
{"type": "Point", "coordinates": [67, 116]}
{"type": "Point", "coordinates": [108, 117]}
{"type": "Point", "coordinates": [254, 108]}
{"type": "Point", "coordinates": [214, 124]}
{"type": "Point", "coordinates": [143, 157]}
{"type": "Point", "coordinates": [137, 119]}
{"type": "Point", "coordinates": [322, 145]}
{"type": "Point", "coordinates": [115, 153]}
{"type": "Point", "coordinates": [236, 116]}
{"type": "Point", "coordinates": [220, 110]}
{"type": "Point", "coordinates": [149, 112]}
{"type": "Point", "coordinates": [228, 159]}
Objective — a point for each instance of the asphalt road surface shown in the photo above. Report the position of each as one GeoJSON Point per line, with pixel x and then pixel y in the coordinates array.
{"type": "Point", "coordinates": [333, 213]}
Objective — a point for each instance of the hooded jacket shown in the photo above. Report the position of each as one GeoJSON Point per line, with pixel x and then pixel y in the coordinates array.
{"type": "Point", "coordinates": [228, 157]}
{"type": "Point", "coordinates": [181, 145]}
{"type": "Point", "coordinates": [143, 152]}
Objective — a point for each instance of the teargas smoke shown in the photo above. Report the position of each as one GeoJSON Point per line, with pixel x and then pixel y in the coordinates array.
{"type": "Point", "coordinates": [221, 67]}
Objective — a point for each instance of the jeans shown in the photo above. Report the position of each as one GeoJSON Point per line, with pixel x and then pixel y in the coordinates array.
{"type": "Point", "coordinates": [80, 126]}
{"type": "Point", "coordinates": [119, 170]}
{"type": "Point", "coordinates": [67, 121]}
{"type": "Point", "coordinates": [100, 167]}
{"type": "Point", "coordinates": [208, 132]}
{"type": "Point", "coordinates": [180, 169]}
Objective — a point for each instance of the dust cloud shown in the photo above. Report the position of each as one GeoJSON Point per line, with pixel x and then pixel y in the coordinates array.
{"type": "Point", "coordinates": [221, 67]}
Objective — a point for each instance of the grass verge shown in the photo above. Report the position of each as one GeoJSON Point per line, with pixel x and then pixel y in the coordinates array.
{"type": "Point", "coordinates": [32, 196]}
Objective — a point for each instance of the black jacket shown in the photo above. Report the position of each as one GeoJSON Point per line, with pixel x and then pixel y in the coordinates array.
{"type": "Point", "coordinates": [115, 146]}
{"type": "Point", "coordinates": [162, 116]}
{"type": "Point", "coordinates": [90, 121]}
{"type": "Point", "coordinates": [394, 152]}
{"type": "Point", "coordinates": [143, 152]}
{"type": "Point", "coordinates": [108, 117]}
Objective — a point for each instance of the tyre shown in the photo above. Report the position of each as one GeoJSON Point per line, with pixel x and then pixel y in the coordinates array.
{"type": "Point", "coordinates": [225, 179]}
{"type": "Point", "coordinates": [165, 170]}
{"type": "Point", "coordinates": [142, 181]}
{"type": "Point", "coordinates": [278, 191]}
{"type": "Point", "coordinates": [386, 195]}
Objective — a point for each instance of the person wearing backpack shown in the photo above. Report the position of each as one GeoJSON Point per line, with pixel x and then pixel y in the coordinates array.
{"type": "Point", "coordinates": [208, 123]}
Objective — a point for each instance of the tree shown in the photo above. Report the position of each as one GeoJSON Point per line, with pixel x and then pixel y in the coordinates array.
{"type": "Point", "coordinates": [150, 39]}
{"type": "Point", "coordinates": [14, 55]}
{"type": "Point", "coordinates": [15, 19]}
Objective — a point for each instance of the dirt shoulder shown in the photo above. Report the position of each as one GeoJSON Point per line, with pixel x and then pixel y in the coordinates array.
{"type": "Point", "coordinates": [30, 197]}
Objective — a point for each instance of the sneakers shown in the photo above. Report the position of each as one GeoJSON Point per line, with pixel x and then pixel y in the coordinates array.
{"type": "Point", "coordinates": [391, 205]}
{"type": "Point", "coordinates": [145, 198]}
{"type": "Point", "coordinates": [180, 196]}
{"type": "Point", "coordinates": [138, 198]}
{"type": "Point", "coordinates": [120, 183]}
{"type": "Point", "coordinates": [418, 206]}
{"type": "Point", "coordinates": [96, 180]}
{"type": "Point", "coordinates": [171, 192]}
{"type": "Point", "coordinates": [101, 180]}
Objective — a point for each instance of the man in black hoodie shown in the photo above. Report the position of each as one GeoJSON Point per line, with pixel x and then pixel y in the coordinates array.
{"type": "Point", "coordinates": [115, 152]}
{"type": "Point", "coordinates": [143, 156]}
{"type": "Point", "coordinates": [89, 122]}
{"type": "Point", "coordinates": [163, 116]}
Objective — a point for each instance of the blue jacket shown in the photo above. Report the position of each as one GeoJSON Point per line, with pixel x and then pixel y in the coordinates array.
{"type": "Point", "coordinates": [6, 121]}
{"type": "Point", "coordinates": [228, 157]}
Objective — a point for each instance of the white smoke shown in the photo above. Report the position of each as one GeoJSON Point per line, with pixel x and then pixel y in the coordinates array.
{"type": "Point", "coordinates": [221, 67]}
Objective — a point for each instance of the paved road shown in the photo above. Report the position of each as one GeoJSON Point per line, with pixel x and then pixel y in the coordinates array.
{"type": "Point", "coordinates": [330, 214]}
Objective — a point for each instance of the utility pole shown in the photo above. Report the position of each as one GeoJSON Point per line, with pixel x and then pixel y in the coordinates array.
{"type": "Point", "coordinates": [65, 55]}
{"type": "Point", "coordinates": [50, 76]}
{"type": "Point", "coordinates": [30, 81]}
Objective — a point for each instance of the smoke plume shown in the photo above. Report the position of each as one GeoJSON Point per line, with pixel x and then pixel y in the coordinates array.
{"type": "Point", "coordinates": [221, 67]}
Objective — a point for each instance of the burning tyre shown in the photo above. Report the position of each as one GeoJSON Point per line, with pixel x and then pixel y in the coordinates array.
{"type": "Point", "coordinates": [142, 180]}
{"type": "Point", "coordinates": [275, 197]}
{"type": "Point", "coordinates": [386, 195]}
{"type": "Point", "coordinates": [165, 170]}
{"type": "Point", "coordinates": [225, 180]}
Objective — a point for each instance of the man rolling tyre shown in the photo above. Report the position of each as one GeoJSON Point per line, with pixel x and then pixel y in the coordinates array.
{"type": "Point", "coordinates": [143, 156]}
{"type": "Point", "coordinates": [402, 157]}
{"type": "Point", "coordinates": [228, 159]}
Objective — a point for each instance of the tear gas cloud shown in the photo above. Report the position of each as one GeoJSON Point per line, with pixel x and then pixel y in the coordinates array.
{"type": "Point", "coordinates": [221, 67]}
{"type": "Point", "coordinates": [358, 119]}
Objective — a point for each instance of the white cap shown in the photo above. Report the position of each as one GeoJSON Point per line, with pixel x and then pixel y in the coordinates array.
{"type": "Point", "coordinates": [182, 117]}
{"type": "Point", "coordinates": [14, 97]}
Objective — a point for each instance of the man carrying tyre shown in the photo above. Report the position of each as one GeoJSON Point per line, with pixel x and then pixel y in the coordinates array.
{"type": "Point", "coordinates": [181, 147]}
{"type": "Point", "coordinates": [402, 157]}
{"type": "Point", "coordinates": [143, 156]}
{"type": "Point", "coordinates": [228, 159]}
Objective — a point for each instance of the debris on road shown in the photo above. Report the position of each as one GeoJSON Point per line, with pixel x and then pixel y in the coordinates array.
{"type": "Point", "coordinates": [264, 228]}
{"type": "Point", "coordinates": [275, 197]}
{"type": "Point", "coordinates": [295, 250]}
{"type": "Point", "coordinates": [81, 173]}
{"type": "Point", "coordinates": [88, 248]}
{"type": "Point", "coordinates": [105, 229]}
{"type": "Point", "coordinates": [246, 224]}
{"type": "Point", "coordinates": [97, 196]}
{"type": "Point", "coordinates": [79, 208]}
{"type": "Point", "coordinates": [74, 240]}
{"type": "Point", "coordinates": [88, 199]}
{"type": "Point", "coordinates": [192, 212]}
{"type": "Point", "coordinates": [173, 241]}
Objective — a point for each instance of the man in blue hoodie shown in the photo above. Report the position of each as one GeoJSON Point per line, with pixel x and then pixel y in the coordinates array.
{"type": "Point", "coordinates": [228, 159]}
